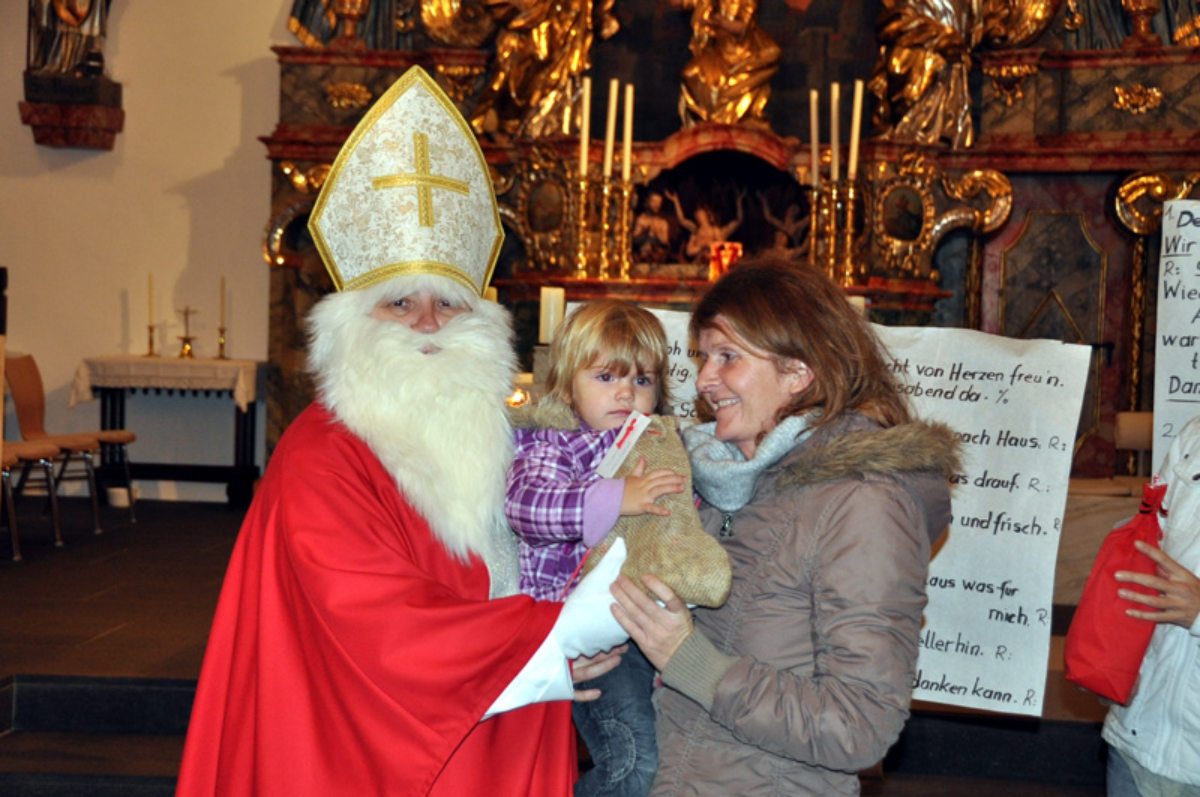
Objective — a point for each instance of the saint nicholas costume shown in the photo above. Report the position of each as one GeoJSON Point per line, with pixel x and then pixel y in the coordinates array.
{"type": "Point", "coordinates": [368, 639]}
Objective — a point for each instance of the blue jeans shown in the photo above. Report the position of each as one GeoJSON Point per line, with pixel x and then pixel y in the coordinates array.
{"type": "Point", "coordinates": [1122, 782]}
{"type": "Point", "coordinates": [618, 730]}
{"type": "Point", "coordinates": [1118, 779]}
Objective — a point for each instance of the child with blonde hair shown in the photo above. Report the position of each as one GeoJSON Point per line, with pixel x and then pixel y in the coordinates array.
{"type": "Point", "coordinates": [607, 360]}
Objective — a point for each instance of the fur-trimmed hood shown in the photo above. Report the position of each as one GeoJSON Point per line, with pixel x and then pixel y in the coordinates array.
{"type": "Point", "coordinates": [920, 455]}
{"type": "Point", "coordinates": [865, 448]}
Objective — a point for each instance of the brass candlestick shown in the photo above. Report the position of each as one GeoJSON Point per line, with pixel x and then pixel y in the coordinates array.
{"type": "Point", "coordinates": [150, 341]}
{"type": "Point", "coordinates": [848, 267]}
{"type": "Point", "coordinates": [605, 226]}
{"type": "Point", "coordinates": [624, 229]}
{"type": "Point", "coordinates": [581, 258]}
{"type": "Point", "coordinates": [830, 202]}
{"type": "Point", "coordinates": [221, 344]}
{"type": "Point", "coordinates": [814, 224]}
{"type": "Point", "coordinates": [185, 340]}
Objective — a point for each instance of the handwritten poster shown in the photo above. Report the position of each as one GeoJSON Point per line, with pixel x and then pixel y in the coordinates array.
{"type": "Point", "coordinates": [1015, 404]}
{"type": "Point", "coordinates": [682, 365]}
{"type": "Point", "coordinates": [1177, 345]}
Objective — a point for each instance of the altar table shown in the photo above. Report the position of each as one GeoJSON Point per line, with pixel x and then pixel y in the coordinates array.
{"type": "Point", "coordinates": [111, 376]}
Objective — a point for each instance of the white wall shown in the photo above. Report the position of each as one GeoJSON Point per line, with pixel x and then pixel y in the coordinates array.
{"type": "Point", "coordinates": [185, 195]}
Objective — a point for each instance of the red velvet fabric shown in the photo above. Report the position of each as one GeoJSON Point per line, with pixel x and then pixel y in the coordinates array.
{"type": "Point", "coordinates": [352, 654]}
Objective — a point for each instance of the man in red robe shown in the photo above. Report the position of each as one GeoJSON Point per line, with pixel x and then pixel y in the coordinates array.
{"type": "Point", "coordinates": [363, 634]}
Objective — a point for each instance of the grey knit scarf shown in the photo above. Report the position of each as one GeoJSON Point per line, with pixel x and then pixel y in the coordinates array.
{"type": "Point", "coordinates": [722, 474]}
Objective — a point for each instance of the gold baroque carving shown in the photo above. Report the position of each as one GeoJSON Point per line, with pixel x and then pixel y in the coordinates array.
{"type": "Point", "coordinates": [1073, 19]}
{"type": "Point", "coordinates": [904, 215]}
{"type": "Point", "coordinates": [728, 79]}
{"type": "Point", "coordinates": [1140, 197]}
{"type": "Point", "coordinates": [456, 23]}
{"type": "Point", "coordinates": [925, 55]}
{"type": "Point", "coordinates": [983, 181]}
{"type": "Point", "coordinates": [457, 79]}
{"type": "Point", "coordinates": [1139, 204]}
{"type": "Point", "coordinates": [1009, 24]}
{"type": "Point", "coordinates": [544, 210]}
{"type": "Point", "coordinates": [274, 250]}
{"type": "Point", "coordinates": [308, 181]}
{"type": "Point", "coordinates": [1136, 99]}
{"type": "Point", "coordinates": [1007, 80]}
{"type": "Point", "coordinates": [913, 205]}
{"type": "Point", "coordinates": [1188, 34]}
{"type": "Point", "coordinates": [343, 96]}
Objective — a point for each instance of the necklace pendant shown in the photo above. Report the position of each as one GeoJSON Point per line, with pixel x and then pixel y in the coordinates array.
{"type": "Point", "coordinates": [727, 528]}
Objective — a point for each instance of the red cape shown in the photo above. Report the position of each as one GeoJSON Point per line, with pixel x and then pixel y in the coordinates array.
{"type": "Point", "coordinates": [352, 654]}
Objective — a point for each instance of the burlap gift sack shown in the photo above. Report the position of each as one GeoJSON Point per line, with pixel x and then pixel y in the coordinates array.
{"type": "Point", "coordinates": [673, 547]}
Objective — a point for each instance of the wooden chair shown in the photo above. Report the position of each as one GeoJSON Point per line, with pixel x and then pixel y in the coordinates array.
{"type": "Point", "coordinates": [29, 399]}
{"type": "Point", "coordinates": [27, 454]}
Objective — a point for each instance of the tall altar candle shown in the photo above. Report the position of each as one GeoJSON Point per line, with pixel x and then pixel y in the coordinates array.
{"type": "Point", "coordinates": [855, 130]}
{"type": "Point", "coordinates": [553, 303]}
{"type": "Point", "coordinates": [610, 125]}
{"type": "Point", "coordinates": [627, 138]}
{"type": "Point", "coordinates": [221, 323]}
{"type": "Point", "coordinates": [585, 125]}
{"type": "Point", "coordinates": [814, 134]}
{"type": "Point", "coordinates": [150, 294]}
{"type": "Point", "coordinates": [835, 100]}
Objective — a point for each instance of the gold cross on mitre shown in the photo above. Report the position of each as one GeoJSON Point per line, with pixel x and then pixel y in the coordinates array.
{"type": "Point", "coordinates": [423, 180]}
{"type": "Point", "coordinates": [367, 235]}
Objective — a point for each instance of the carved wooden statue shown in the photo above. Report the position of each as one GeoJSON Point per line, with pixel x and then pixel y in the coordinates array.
{"type": "Point", "coordinates": [67, 36]}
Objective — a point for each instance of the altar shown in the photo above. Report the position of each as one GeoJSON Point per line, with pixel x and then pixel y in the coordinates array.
{"type": "Point", "coordinates": [112, 376]}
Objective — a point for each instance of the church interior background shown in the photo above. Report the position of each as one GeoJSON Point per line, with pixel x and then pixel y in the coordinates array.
{"type": "Point", "coordinates": [1007, 175]}
{"type": "Point", "coordinates": [1013, 156]}
{"type": "Point", "coordinates": [1011, 166]}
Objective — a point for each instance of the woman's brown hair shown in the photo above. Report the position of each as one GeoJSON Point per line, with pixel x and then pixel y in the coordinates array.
{"type": "Point", "coordinates": [796, 312]}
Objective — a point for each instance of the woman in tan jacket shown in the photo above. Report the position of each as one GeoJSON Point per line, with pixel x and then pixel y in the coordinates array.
{"type": "Point", "coordinates": [827, 496]}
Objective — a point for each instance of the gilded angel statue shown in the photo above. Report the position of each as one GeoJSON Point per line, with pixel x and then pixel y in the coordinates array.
{"type": "Point", "coordinates": [733, 60]}
{"type": "Point", "coordinates": [541, 52]}
{"type": "Point", "coordinates": [925, 51]}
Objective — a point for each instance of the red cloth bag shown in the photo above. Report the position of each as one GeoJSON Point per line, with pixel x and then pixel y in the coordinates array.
{"type": "Point", "coordinates": [1105, 646]}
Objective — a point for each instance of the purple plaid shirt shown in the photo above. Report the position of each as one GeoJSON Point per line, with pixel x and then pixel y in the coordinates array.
{"type": "Point", "coordinates": [558, 505]}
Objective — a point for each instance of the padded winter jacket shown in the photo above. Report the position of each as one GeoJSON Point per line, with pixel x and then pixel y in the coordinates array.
{"type": "Point", "coordinates": [804, 677]}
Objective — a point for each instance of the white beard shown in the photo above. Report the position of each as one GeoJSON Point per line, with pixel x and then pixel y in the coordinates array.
{"type": "Point", "coordinates": [437, 422]}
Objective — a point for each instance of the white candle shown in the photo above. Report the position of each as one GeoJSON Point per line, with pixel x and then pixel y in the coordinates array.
{"type": "Point", "coordinates": [835, 99]}
{"type": "Point", "coordinates": [814, 132]}
{"type": "Point", "coordinates": [150, 294]}
{"type": "Point", "coordinates": [627, 139]}
{"type": "Point", "coordinates": [222, 322]}
{"type": "Point", "coordinates": [610, 126]}
{"type": "Point", "coordinates": [553, 303]}
{"type": "Point", "coordinates": [855, 130]}
{"type": "Point", "coordinates": [585, 126]}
